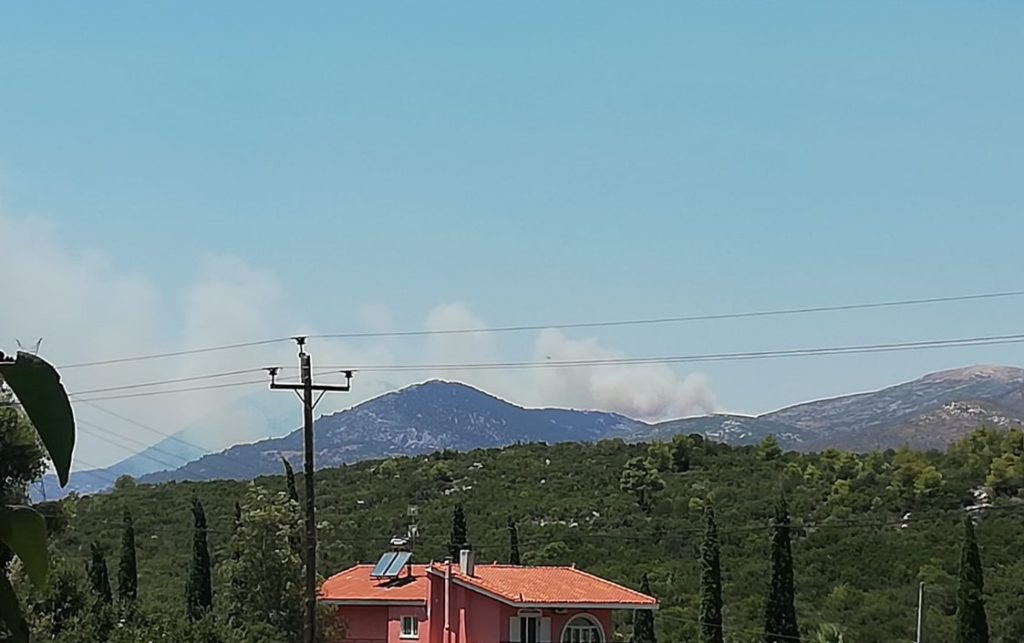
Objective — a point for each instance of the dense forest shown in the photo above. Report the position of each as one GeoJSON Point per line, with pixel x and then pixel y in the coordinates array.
{"type": "Point", "coordinates": [869, 527]}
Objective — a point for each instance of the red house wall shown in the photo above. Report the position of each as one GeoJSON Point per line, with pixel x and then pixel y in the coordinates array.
{"type": "Point", "coordinates": [474, 618]}
{"type": "Point", "coordinates": [365, 622]}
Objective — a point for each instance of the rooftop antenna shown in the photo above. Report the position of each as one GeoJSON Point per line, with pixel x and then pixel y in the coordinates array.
{"type": "Point", "coordinates": [35, 347]}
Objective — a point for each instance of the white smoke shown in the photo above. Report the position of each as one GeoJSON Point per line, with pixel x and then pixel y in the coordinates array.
{"type": "Point", "coordinates": [642, 391]}
{"type": "Point", "coordinates": [86, 308]}
{"type": "Point", "coordinates": [647, 391]}
{"type": "Point", "coordinates": [463, 348]}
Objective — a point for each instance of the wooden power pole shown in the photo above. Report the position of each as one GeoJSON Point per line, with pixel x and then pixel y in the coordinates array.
{"type": "Point", "coordinates": [307, 387]}
{"type": "Point", "coordinates": [920, 613]}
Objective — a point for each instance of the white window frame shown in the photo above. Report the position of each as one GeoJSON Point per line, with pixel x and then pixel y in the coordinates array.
{"type": "Point", "coordinates": [414, 629]}
{"type": "Point", "coordinates": [524, 628]}
{"type": "Point", "coordinates": [574, 624]}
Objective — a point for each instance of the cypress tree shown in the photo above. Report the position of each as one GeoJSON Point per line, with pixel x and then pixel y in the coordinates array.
{"type": "Point", "coordinates": [513, 542]}
{"type": "Point", "coordinates": [236, 582]}
{"type": "Point", "coordinates": [289, 474]}
{"type": "Point", "coordinates": [643, 620]}
{"type": "Point", "coordinates": [780, 624]}
{"type": "Point", "coordinates": [459, 538]}
{"type": "Point", "coordinates": [199, 589]}
{"type": "Point", "coordinates": [127, 573]}
{"type": "Point", "coordinates": [294, 539]}
{"type": "Point", "coordinates": [710, 581]}
{"type": "Point", "coordinates": [99, 579]}
{"type": "Point", "coordinates": [971, 621]}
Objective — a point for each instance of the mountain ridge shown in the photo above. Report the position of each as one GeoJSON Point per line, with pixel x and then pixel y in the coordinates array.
{"type": "Point", "coordinates": [924, 413]}
{"type": "Point", "coordinates": [421, 418]}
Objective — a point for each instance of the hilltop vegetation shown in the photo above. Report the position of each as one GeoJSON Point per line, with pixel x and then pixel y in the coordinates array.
{"type": "Point", "coordinates": [873, 525]}
{"type": "Point", "coordinates": [930, 412]}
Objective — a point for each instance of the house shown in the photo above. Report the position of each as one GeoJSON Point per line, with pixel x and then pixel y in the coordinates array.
{"type": "Point", "coordinates": [468, 603]}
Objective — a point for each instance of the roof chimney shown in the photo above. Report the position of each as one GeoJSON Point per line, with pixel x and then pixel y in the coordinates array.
{"type": "Point", "coordinates": [466, 562]}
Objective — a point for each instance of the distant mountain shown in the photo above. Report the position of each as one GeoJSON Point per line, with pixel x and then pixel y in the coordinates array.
{"type": "Point", "coordinates": [252, 418]}
{"type": "Point", "coordinates": [422, 418]}
{"type": "Point", "coordinates": [926, 413]}
{"type": "Point", "coordinates": [935, 429]}
{"type": "Point", "coordinates": [1000, 385]}
{"type": "Point", "coordinates": [723, 427]}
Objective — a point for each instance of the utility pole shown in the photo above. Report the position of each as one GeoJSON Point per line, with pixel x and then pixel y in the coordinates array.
{"type": "Point", "coordinates": [920, 613]}
{"type": "Point", "coordinates": [308, 404]}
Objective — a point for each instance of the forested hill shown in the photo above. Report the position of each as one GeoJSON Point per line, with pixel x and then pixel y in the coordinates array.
{"type": "Point", "coordinates": [873, 525]}
{"type": "Point", "coordinates": [930, 412]}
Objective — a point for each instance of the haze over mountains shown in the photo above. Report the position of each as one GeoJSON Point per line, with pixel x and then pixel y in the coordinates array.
{"type": "Point", "coordinates": [926, 413]}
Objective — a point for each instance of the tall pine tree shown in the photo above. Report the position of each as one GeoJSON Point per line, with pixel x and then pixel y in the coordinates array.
{"type": "Point", "coordinates": [99, 578]}
{"type": "Point", "coordinates": [294, 539]}
{"type": "Point", "coordinates": [289, 475]}
{"type": "Point", "coordinates": [127, 573]}
{"type": "Point", "coordinates": [643, 620]}
{"type": "Point", "coordinates": [780, 624]}
{"type": "Point", "coordinates": [513, 543]}
{"type": "Point", "coordinates": [459, 538]}
{"type": "Point", "coordinates": [199, 589]}
{"type": "Point", "coordinates": [710, 581]}
{"type": "Point", "coordinates": [971, 621]}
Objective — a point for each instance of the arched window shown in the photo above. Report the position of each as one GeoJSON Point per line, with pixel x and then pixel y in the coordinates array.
{"type": "Point", "coordinates": [582, 629]}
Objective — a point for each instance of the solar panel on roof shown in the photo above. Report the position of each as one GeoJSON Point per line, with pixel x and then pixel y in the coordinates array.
{"type": "Point", "coordinates": [381, 568]}
{"type": "Point", "coordinates": [400, 561]}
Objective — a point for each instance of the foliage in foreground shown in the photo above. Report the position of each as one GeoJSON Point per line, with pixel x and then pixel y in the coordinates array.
{"type": "Point", "coordinates": [866, 528]}
{"type": "Point", "coordinates": [38, 401]}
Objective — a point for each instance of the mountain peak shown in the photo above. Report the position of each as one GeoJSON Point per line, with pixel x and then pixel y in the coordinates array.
{"type": "Point", "coordinates": [440, 384]}
{"type": "Point", "coordinates": [978, 371]}
{"type": "Point", "coordinates": [441, 388]}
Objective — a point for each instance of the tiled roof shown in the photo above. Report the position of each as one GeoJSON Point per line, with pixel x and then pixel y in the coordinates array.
{"type": "Point", "coordinates": [355, 585]}
{"type": "Point", "coordinates": [519, 585]}
{"type": "Point", "coordinates": [549, 586]}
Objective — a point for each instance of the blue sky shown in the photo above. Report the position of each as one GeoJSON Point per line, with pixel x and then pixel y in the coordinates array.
{"type": "Point", "coordinates": [534, 162]}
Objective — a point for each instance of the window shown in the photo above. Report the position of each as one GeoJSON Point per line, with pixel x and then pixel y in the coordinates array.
{"type": "Point", "coordinates": [582, 630]}
{"type": "Point", "coordinates": [410, 627]}
{"type": "Point", "coordinates": [528, 629]}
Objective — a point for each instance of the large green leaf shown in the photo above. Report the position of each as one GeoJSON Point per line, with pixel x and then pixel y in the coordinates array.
{"type": "Point", "coordinates": [23, 530]}
{"type": "Point", "coordinates": [10, 613]}
{"type": "Point", "coordinates": [37, 386]}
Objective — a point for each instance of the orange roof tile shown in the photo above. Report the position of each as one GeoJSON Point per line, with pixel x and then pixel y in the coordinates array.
{"type": "Point", "coordinates": [549, 586]}
{"type": "Point", "coordinates": [354, 585]}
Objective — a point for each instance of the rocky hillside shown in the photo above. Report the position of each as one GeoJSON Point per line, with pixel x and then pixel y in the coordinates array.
{"type": "Point", "coordinates": [723, 427]}
{"type": "Point", "coordinates": [422, 418]}
{"type": "Point", "coordinates": [999, 385]}
{"type": "Point", "coordinates": [926, 413]}
{"type": "Point", "coordinates": [932, 430]}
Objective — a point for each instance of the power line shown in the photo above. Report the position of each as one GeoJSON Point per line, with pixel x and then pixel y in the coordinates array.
{"type": "Point", "coordinates": [85, 427]}
{"type": "Point", "coordinates": [188, 389]}
{"type": "Point", "coordinates": [146, 427]}
{"type": "Point", "coordinates": [685, 318]}
{"type": "Point", "coordinates": [190, 378]}
{"type": "Point", "coordinates": [191, 351]}
{"type": "Point", "coordinates": [568, 326]}
{"type": "Point", "coordinates": [707, 357]}
{"type": "Point", "coordinates": [179, 380]}
{"type": "Point", "coordinates": [985, 340]}
{"type": "Point", "coordinates": [177, 461]}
